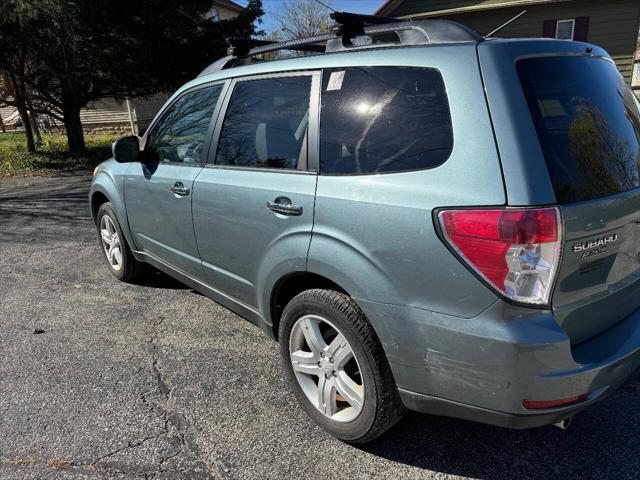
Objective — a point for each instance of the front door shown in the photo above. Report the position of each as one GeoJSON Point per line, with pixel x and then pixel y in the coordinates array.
{"type": "Point", "coordinates": [158, 190]}
{"type": "Point", "coordinates": [253, 203]}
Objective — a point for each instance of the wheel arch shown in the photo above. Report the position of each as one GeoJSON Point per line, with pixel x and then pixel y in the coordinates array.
{"type": "Point", "coordinates": [105, 190]}
{"type": "Point", "coordinates": [97, 199]}
{"type": "Point", "coordinates": [291, 285]}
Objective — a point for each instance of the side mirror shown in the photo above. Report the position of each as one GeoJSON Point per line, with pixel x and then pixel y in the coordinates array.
{"type": "Point", "coordinates": [126, 149]}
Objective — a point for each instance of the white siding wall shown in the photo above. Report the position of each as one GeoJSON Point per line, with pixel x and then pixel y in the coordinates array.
{"type": "Point", "coordinates": [5, 112]}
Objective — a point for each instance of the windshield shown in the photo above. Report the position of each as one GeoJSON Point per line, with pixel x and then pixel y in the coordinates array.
{"type": "Point", "coordinates": [588, 124]}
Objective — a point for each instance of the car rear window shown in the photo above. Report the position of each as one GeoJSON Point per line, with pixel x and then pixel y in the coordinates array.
{"type": "Point", "coordinates": [382, 120]}
{"type": "Point", "coordinates": [588, 125]}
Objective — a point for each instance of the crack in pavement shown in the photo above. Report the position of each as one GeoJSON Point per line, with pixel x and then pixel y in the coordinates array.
{"type": "Point", "coordinates": [172, 419]}
{"type": "Point", "coordinates": [130, 445]}
{"type": "Point", "coordinates": [174, 429]}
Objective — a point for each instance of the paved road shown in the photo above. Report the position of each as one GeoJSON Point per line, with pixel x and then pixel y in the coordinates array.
{"type": "Point", "coordinates": [156, 381]}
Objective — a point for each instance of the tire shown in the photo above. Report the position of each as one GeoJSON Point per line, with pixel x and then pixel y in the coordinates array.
{"type": "Point", "coordinates": [367, 402]}
{"type": "Point", "coordinates": [127, 268]}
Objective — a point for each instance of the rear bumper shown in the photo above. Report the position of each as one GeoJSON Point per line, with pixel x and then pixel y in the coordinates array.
{"type": "Point", "coordinates": [448, 408]}
{"type": "Point", "coordinates": [482, 368]}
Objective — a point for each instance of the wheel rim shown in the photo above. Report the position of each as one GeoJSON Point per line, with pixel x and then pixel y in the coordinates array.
{"type": "Point", "coordinates": [326, 368]}
{"type": "Point", "coordinates": [111, 242]}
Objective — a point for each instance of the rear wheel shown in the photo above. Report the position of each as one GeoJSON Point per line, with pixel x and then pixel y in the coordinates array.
{"type": "Point", "coordinates": [337, 367]}
{"type": "Point", "coordinates": [114, 245]}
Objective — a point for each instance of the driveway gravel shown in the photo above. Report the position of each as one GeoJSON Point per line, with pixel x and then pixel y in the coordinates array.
{"type": "Point", "coordinates": [156, 381]}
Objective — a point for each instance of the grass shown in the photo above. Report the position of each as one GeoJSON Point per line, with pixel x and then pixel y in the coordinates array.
{"type": "Point", "coordinates": [51, 155]}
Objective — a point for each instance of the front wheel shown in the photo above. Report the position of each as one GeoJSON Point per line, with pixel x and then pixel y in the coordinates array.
{"type": "Point", "coordinates": [116, 251]}
{"type": "Point", "coordinates": [337, 367]}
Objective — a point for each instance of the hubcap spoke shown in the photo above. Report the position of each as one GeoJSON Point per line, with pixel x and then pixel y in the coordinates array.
{"type": "Point", "coordinates": [340, 351]}
{"type": "Point", "coordinates": [117, 256]}
{"type": "Point", "coordinates": [306, 362]}
{"type": "Point", "coordinates": [327, 396]}
{"type": "Point", "coordinates": [313, 336]}
{"type": "Point", "coordinates": [349, 390]}
{"type": "Point", "coordinates": [106, 236]}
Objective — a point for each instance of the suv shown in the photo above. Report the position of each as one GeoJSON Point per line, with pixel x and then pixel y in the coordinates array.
{"type": "Point", "coordinates": [430, 220]}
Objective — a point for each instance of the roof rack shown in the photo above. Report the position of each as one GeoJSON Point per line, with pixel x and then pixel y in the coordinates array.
{"type": "Point", "coordinates": [348, 27]}
{"type": "Point", "coordinates": [351, 25]}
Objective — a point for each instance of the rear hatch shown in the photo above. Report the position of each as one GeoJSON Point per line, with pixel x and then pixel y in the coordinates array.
{"type": "Point", "coordinates": [587, 122]}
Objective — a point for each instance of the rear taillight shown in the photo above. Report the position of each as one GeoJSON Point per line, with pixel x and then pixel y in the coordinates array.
{"type": "Point", "coordinates": [517, 251]}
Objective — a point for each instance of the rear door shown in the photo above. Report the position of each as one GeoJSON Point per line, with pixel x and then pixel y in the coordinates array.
{"type": "Point", "coordinates": [253, 203]}
{"type": "Point", "coordinates": [588, 124]}
{"type": "Point", "coordinates": [158, 190]}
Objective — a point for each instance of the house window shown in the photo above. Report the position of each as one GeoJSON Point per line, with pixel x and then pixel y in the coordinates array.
{"type": "Point", "coordinates": [565, 28]}
{"type": "Point", "coordinates": [215, 14]}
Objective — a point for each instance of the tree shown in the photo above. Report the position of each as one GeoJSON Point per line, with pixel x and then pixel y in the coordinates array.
{"type": "Point", "coordinates": [80, 51]}
{"type": "Point", "coordinates": [14, 64]}
{"type": "Point", "coordinates": [303, 18]}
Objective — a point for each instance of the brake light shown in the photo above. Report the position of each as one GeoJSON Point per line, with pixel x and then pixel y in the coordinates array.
{"type": "Point", "coordinates": [517, 251]}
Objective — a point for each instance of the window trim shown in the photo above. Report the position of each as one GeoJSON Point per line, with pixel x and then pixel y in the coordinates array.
{"type": "Point", "coordinates": [313, 138]}
{"type": "Point", "coordinates": [210, 130]}
{"type": "Point", "coordinates": [573, 27]}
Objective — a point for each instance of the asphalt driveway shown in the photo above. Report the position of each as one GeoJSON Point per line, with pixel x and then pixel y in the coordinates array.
{"type": "Point", "coordinates": [156, 381]}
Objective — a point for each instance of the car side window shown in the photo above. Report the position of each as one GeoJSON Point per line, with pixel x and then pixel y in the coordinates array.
{"type": "Point", "coordinates": [383, 120]}
{"type": "Point", "coordinates": [266, 124]}
{"type": "Point", "coordinates": [180, 134]}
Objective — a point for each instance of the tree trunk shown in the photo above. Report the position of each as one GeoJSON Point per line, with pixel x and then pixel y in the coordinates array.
{"type": "Point", "coordinates": [34, 121]}
{"type": "Point", "coordinates": [20, 101]}
{"type": "Point", "coordinates": [36, 128]}
{"type": "Point", "coordinates": [26, 122]}
{"type": "Point", "coordinates": [2, 125]}
{"type": "Point", "coordinates": [73, 127]}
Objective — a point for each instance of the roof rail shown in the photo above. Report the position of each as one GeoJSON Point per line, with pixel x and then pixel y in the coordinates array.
{"type": "Point", "coordinates": [349, 26]}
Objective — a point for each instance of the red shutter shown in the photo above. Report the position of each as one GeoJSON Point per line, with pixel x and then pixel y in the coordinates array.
{"type": "Point", "coordinates": [549, 28]}
{"type": "Point", "coordinates": [581, 29]}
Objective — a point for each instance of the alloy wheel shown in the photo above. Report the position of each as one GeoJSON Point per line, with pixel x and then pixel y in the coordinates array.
{"type": "Point", "coordinates": [326, 368]}
{"type": "Point", "coordinates": [111, 242]}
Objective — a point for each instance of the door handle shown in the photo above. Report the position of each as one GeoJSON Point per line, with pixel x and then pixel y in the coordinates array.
{"type": "Point", "coordinates": [283, 206]}
{"type": "Point", "coordinates": [179, 190]}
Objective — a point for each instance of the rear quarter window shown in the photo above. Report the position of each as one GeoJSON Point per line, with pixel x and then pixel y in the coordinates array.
{"type": "Point", "coordinates": [588, 124]}
{"type": "Point", "coordinates": [382, 120]}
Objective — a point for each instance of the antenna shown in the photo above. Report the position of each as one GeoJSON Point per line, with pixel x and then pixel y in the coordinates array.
{"type": "Point", "coordinates": [491, 34]}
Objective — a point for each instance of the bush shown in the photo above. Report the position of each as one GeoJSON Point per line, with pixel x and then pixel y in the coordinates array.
{"type": "Point", "coordinates": [51, 156]}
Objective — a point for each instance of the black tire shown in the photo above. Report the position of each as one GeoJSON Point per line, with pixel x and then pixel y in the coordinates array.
{"type": "Point", "coordinates": [131, 268]}
{"type": "Point", "coordinates": [382, 407]}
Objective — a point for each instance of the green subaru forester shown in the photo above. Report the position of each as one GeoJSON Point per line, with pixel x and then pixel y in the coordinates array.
{"type": "Point", "coordinates": [426, 219]}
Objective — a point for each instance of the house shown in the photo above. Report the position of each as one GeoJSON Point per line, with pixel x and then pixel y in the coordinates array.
{"type": "Point", "coordinates": [131, 116]}
{"type": "Point", "coordinates": [610, 24]}
{"type": "Point", "coordinates": [5, 118]}
{"type": "Point", "coordinates": [224, 10]}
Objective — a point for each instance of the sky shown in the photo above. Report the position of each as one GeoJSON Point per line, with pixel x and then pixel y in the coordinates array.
{"type": "Point", "coordinates": [273, 9]}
